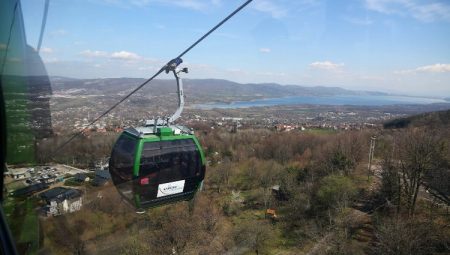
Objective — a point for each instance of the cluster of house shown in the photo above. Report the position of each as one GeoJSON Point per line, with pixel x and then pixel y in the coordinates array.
{"type": "Point", "coordinates": [288, 128]}
{"type": "Point", "coordinates": [61, 200]}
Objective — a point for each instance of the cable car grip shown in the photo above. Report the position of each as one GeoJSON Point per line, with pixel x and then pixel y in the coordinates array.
{"type": "Point", "coordinates": [172, 65]}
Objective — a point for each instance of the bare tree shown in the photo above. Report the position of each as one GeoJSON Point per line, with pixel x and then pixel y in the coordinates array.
{"type": "Point", "coordinates": [390, 185]}
{"type": "Point", "coordinates": [420, 152]}
{"type": "Point", "coordinates": [254, 235]}
{"type": "Point", "coordinates": [400, 236]}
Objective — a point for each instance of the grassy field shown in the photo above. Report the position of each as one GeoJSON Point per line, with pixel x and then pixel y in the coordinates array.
{"type": "Point", "coordinates": [30, 228]}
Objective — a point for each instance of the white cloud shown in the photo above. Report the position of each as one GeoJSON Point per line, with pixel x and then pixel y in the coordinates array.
{"type": "Point", "coordinates": [125, 55]}
{"type": "Point", "coordinates": [234, 70]}
{"type": "Point", "coordinates": [372, 78]}
{"type": "Point", "coordinates": [122, 55]}
{"type": "Point", "coordinates": [51, 60]}
{"type": "Point", "coordinates": [59, 32]}
{"type": "Point", "coordinates": [198, 5]}
{"type": "Point", "coordinates": [190, 4]}
{"type": "Point", "coordinates": [383, 6]}
{"type": "Point", "coordinates": [95, 53]}
{"type": "Point", "coordinates": [265, 50]}
{"type": "Point", "coordinates": [326, 65]}
{"type": "Point", "coordinates": [216, 2]}
{"type": "Point", "coordinates": [271, 74]}
{"type": "Point", "coordinates": [276, 11]}
{"type": "Point", "coordinates": [431, 12]}
{"type": "Point", "coordinates": [46, 50]}
{"type": "Point", "coordinates": [436, 68]}
{"type": "Point", "coordinates": [359, 21]}
{"type": "Point", "coordinates": [148, 68]}
{"type": "Point", "coordinates": [140, 3]}
{"type": "Point", "coordinates": [426, 12]}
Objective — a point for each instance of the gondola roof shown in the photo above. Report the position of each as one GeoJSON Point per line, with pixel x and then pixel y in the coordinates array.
{"type": "Point", "coordinates": [149, 131]}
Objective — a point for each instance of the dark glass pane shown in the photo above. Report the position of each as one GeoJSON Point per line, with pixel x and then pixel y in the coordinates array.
{"type": "Point", "coordinates": [122, 159]}
{"type": "Point", "coordinates": [150, 156]}
{"type": "Point", "coordinates": [168, 161]}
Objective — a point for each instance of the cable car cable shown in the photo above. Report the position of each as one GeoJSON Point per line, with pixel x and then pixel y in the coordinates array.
{"type": "Point", "coordinates": [214, 28]}
{"type": "Point", "coordinates": [171, 64]}
{"type": "Point", "coordinates": [44, 22]}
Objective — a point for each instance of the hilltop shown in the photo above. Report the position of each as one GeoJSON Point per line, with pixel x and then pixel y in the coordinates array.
{"type": "Point", "coordinates": [430, 119]}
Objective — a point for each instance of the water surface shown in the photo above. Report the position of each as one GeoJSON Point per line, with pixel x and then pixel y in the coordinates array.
{"type": "Point", "coordinates": [362, 100]}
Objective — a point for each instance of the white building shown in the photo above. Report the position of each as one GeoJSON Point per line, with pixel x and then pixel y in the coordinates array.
{"type": "Point", "coordinates": [62, 200]}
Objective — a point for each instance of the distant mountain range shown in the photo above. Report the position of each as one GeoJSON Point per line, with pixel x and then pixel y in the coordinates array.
{"type": "Point", "coordinates": [198, 90]}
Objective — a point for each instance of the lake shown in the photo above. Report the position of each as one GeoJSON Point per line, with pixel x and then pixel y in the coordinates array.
{"type": "Point", "coordinates": [362, 100]}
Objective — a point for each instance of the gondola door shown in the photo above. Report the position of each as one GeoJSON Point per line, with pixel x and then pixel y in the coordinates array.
{"type": "Point", "coordinates": [169, 171]}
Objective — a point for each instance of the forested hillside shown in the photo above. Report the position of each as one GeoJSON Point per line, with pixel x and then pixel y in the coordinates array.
{"type": "Point", "coordinates": [432, 119]}
{"type": "Point", "coordinates": [322, 199]}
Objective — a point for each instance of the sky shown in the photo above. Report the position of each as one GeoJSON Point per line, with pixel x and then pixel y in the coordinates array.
{"type": "Point", "coordinates": [395, 46]}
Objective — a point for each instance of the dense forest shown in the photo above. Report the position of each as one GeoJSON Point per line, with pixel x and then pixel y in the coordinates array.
{"type": "Point", "coordinates": [321, 195]}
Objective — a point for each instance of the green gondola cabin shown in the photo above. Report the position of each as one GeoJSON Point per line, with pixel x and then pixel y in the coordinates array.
{"type": "Point", "coordinates": [152, 166]}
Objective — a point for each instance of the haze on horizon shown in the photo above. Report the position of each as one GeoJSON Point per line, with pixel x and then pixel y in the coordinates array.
{"type": "Point", "coordinates": [395, 46]}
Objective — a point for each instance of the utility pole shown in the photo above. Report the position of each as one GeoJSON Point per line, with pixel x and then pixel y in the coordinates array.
{"type": "Point", "coordinates": [371, 152]}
